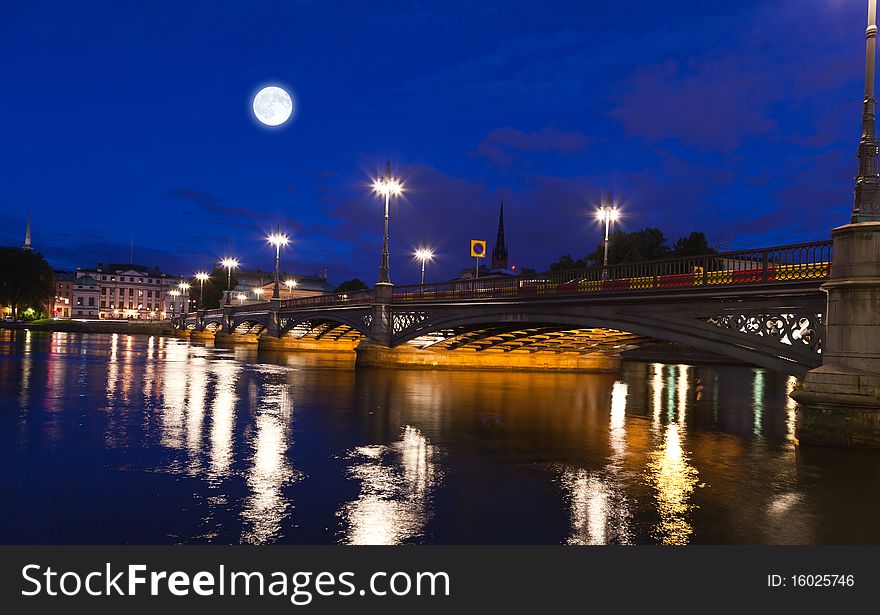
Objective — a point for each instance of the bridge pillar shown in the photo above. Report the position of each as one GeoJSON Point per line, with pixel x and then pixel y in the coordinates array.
{"type": "Point", "coordinates": [839, 402]}
{"type": "Point", "coordinates": [381, 327]}
{"type": "Point", "coordinates": [227, 320]}
{"type": "Point", "coordinates": [274, 328]}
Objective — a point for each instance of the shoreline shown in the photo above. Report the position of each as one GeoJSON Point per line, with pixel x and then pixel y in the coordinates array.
{"type": "Point", "coordinates": [109, 326]}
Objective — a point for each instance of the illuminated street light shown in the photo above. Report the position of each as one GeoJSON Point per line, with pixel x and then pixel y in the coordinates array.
{"type": "Point", "coordinates": [184, 290]}
{"type": "Point", "coordinates": [290, 284]}
{"type": "Point", "coordinates": [387, 186]}
{"type": "Point", "coordinates": [424, 255]}
{"type": "Point", "coordinates": [607, 213]}
{"type": "Point", "coordinates": [241, 297]}
{"type": "Point", "coordinates": [174, 295]}
{"type": "Point", "coordinates": [258, 292]}
{"type": "Point", "coordinates": [229, 264]}
{"type": "Point", "coordinates": [202, 277]}
{"type": "Point", "coordinates": [277, 239]}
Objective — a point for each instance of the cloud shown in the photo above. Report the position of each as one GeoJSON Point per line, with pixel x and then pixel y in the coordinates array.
{"type": "Point", "coordinates": [502, 147]}
{"type": "Point", "coordinates": [212, 204]}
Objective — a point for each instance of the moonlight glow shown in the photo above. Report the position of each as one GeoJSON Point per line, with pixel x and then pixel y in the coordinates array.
{"type": "Point", "coordinates": [273, 106]}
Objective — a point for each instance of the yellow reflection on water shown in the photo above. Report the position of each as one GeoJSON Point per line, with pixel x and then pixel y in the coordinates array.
{"type": "Point", "coordinates": [599, 511]}
{"type": "Point", "coordinates": [758, 401]}
{"type": "Point", "coordinates": [656, 395]}
{"type": "Point", "coordinates": [790, 408]}
{"type": "Point", "coordinates": [396, 483]}
{"type": "Point", "coordinates": [265, 508]}
{"type": "Point", "coordinates": [223, 416]}
{"type": "Point", "coordinates": [674, 480]}
{"type": "Point", "coordinates": [174, 395]}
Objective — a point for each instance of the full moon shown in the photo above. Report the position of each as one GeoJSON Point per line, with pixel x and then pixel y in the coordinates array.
{"type": "Point", "coordinates": [272, 106]}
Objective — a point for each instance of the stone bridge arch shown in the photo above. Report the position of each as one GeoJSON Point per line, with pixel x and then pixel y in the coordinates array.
{"type": "Point", "coordinates": [785, 338]}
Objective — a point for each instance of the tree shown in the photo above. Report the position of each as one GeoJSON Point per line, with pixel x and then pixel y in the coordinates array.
{"type": "Point", "coordinates": [638, 246]}
{"type": "Point", "coordinates": [215, 288]}
{"type": "Point", "coordinates": [566, 263]}
{"type": "Point", "coordinates": [694, 244]}
{"type": "Point", "coordinates": [645, 245]}
{"type": "Point", "coordinates": [26, 280]}
{"type": "Point", "coordinates": [350, 286]}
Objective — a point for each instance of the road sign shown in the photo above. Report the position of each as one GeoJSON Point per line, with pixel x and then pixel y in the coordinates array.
{"type": "Point", "coordinates": [478, 248]}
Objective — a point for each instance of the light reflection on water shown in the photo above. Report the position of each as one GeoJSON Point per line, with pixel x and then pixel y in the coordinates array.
{"type": "Point", "coordinates": [151, 439]}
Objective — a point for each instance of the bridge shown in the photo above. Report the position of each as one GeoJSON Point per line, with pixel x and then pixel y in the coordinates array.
{"type": "Point", "coordinates": [764, 307]}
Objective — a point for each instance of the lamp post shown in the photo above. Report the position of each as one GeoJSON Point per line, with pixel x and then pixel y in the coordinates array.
{"type": "Point", "coordinates": [184, 290]}
{"type": "Point", "coordinates": [424, 255]}
{"type": "Point", "coordinates": [386, 186]}
{"type": "Point", "coordinates": [867, 192]}
{"type": "Point", "coordinates": [174, 295]}
{"type": "Point", "coordinates": [241, 297]}
{"type": "Point", "coordinates": [202, 277]}
{"type": "Point", "coordinates": [607, 213]}
{"type": "Point", "coordinates": [290, 284]}
{"type": "Point", "coordinates": [277, 239]}
{"type": "Point", "coordinates": [229, 264]}
{"type": "Point", "coordinates": [258, 292]}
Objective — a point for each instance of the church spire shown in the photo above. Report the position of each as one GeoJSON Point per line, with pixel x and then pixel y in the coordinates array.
{"type": "Point", "coordinates": [499, 254]}
{"type": "Point", "coordinates": [27, 233]}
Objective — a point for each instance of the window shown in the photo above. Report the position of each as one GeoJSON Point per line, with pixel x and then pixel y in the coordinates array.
{"type": "Point", "coordinates": [103, 304]}
{"type": "Point", "coordinates": [131, 292]}
{"type": "Point", "coordinates": [140, 293]}
{"type": "Point", "coordinates": [103, 290]}
{"type": "Point", "coordinates": [79, 301]}
{"type": "Point", "coordinates": [103, 277]}
{"type": "Point", "coordinates": [150, 293]}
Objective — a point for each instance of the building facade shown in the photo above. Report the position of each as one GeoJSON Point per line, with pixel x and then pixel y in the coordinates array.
{"type": "Point", "coordinates": [134, 292]}
{"type": "Point", "coordinates": [62, 304]}
{"type": "Point", "coordinates": [85, 292]}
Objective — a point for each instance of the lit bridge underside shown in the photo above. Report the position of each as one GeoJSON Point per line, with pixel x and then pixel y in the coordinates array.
{"type": "Point", "coordinates": [763, 307]}
{"type": "Point", "coordinates": [538, 338]}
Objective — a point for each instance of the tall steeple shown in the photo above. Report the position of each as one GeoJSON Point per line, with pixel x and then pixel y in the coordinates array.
{"type": "Point", "coordinates": [27, 233]}
{"type": "Point", "coordinates": [499, 254]}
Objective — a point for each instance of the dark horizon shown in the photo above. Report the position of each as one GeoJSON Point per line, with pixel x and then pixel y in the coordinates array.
{"type": "Point", "coordinates": [135, 125]}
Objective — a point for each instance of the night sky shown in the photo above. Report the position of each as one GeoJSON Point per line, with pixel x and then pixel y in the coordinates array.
{"type": "Point", "coordinates": [740, 119]}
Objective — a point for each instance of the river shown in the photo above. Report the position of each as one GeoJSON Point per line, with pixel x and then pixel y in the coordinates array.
{"type": "Point", "coordinates": [110, 438]}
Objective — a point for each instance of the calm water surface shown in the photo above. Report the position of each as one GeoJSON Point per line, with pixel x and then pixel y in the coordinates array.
{"type": "Point", "coordinates": [136, 439]}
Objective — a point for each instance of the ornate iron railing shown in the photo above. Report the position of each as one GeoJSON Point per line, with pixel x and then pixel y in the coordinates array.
{"type": "Point", "coordinates": [352, 298]}
{"type": "Point", "coordinates": [777, 265]}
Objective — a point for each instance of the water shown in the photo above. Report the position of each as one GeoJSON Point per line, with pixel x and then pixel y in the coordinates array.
{"type": "Point", "coordinates": [136, 439]}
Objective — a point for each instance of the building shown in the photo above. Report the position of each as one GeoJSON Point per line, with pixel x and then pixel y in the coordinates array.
{"type": "Point", "coordinates": [85, 292]}
{"type": "Point", "coordinates": [135, 292]}
{"type": "Point", "coordinates": [62, 304]}
{"type": "Point", "coordinates": [263, 282]}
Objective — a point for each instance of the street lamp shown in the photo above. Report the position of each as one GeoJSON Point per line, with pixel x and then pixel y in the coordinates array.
{"type": "Point", "coordinates": [258, 292]}
{"type": "Point", "coordinates": [607, 213]}
{"type": "Point", "coordinates": [229, 264]}
{"type": "Point", "coordinates": [277, 239]}
{"type": "Point", "coordinates": [174, 295]}
{"type": "Point", "coordinates": [241, 297]}
{"type": "Point", "coordinates": [290, 284]}
{"type": "Point", "coordinates": [202, 277]}
{"type": "Point", "coordinates": [424, 255]}
{"type": "Point", "coordinates": [386, 186]}
{"type": "Point", "coordinates": [184, 290]}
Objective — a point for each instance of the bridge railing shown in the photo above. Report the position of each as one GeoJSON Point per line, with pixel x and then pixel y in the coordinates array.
{"type": "Point", "coordinates": [781, 264]}
{"type": "Point", "coordinates": [352, 298]}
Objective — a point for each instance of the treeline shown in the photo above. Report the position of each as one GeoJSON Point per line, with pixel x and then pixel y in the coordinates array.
{"type": "Point", "coordinates": [26, 281]}
{"type": "Point", "coordinates": [637, 246]}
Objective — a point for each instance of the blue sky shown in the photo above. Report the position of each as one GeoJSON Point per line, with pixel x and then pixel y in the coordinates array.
{"type": "Point", "coordinates": [128, 120]}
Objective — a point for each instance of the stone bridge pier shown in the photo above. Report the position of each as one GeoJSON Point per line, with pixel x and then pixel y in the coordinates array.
{"type": "Point", "coordinates": [839, 402]}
